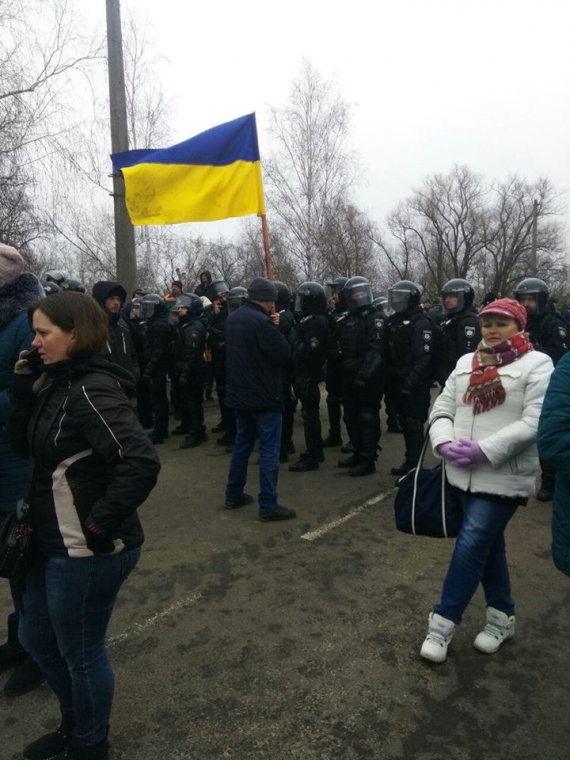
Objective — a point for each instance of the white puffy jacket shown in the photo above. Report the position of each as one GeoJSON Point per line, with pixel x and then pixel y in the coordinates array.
{"type": "Point", "coordinates": [506, 433]}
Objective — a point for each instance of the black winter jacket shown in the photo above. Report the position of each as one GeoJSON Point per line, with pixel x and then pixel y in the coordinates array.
{"type": "Point", "coordinates": [256, 352]}
{"type": "Point", "coordinates": [120, 347]}
{"type": "Point", "coordinates": [91, 458]}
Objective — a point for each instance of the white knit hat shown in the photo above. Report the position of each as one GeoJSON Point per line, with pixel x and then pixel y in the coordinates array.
{"type": "Point", "coordinates": [11, 264]}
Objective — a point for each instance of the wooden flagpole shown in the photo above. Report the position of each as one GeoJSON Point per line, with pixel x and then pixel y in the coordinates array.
{"type": "Point", "coordinates": [265, 234]}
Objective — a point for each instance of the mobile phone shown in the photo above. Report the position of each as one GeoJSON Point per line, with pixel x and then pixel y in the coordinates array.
{"type": "Point", "coordinates": [33, 358]}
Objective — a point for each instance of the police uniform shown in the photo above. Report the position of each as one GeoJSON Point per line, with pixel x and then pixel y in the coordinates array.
{"type": "Point", "coordinates": [333, 380]}
{"type": "Point", "coordinates": [460, 334]}
{"type": "Point", "coordinates": [309, 343]}
{"type": "Point", "coordinates": [189, 371]}
{"type": "Point", "coordinates": [410, 346]}
{"type": "Point", "coordinates": [360, 340]}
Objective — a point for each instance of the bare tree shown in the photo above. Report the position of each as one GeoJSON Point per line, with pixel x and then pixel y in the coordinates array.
{"type": "Point", "coordinates": [309, 173]}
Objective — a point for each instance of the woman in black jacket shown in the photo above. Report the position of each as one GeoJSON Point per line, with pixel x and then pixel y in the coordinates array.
{"type": "Point", "coordinates": [93, 466]}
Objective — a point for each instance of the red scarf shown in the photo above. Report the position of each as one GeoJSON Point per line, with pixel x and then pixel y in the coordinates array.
{"type": "Point", "coordinates": [485, 389]}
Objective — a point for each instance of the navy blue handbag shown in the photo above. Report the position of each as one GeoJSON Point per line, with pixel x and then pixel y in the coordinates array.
{"type": "Point", "coordinates": [426, 503]}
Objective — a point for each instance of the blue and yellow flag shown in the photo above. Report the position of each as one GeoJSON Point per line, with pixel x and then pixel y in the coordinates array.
{"type": "Point", "coordinates": [215, 175]}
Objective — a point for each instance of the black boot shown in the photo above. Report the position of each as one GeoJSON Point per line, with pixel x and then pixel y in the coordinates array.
{"type": "Point", "coordinates": [332, 439]}
{"type": "Point", "coordinates": [52, 746]}
{"type": "Point", "coordinates": [403, 468]}
{"type": "Point", "coordinates": [365, 467]}
{"type": "Point", "coordinates": [350, 461]}
{"type": "Point", "coordinates": [11, 653]}
{"type": "Point", "coordinates": [305, 464]}
{"type": "Point", "coordinates": [26, 677]}
{"type": "Point", "coordinates": [348, 448]}
{"type": "Point", "coordinates": [78, 751]}
{"type": "Point", "coordinates": [546, 491]}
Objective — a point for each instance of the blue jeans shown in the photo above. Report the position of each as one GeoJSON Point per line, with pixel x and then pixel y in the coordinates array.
{"type": "Point", "coordinates": [267, 427]}
{"type": "Point", "coordinates": [67, 606]}
{"type": "Point", "coordinates": [479, 557]}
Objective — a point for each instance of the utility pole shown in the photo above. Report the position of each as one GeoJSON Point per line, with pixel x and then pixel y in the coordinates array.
{"type": "Point", "coordinates": [533, 255]}
{"type": "Point", "coordinates": [124, 232]}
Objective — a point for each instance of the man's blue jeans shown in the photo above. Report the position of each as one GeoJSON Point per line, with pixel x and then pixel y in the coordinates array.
{"type": "Point", "coordinates": [267, 427]}
{"type": "Point", "coordinates": [67, 606]}
{"type": "Point", "coordinates": [479, 557]}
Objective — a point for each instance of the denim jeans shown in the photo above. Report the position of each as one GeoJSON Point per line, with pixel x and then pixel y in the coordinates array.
{"type": "Point", "coordinates": [267, 427]}
{"type": "Point", "coordinates": [479, 557]}
{"type": "Point", "coordinates": [66, 609]}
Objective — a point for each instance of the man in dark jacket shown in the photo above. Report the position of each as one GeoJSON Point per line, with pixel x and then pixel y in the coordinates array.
{"type": "Point", "coordinates": [121, 349]}
{"type": "Point", "coordinates": [204, 284]}
{"type": "Point", "coordinates": [256, 352]}
{"type": "Point", "coordinates": [18, 290]}
{"type": "Point", "coordinates": [548, 334]}
{"type": "Point", "coordinates": [157, 334]}
{"type": "Point", "coordinates": [460, 326]}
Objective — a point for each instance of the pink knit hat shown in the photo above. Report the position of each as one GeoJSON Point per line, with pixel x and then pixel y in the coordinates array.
{"type": "Point", "coordinates": [508, 307]}
{"type": "Point", "coordinates": [11, 264]}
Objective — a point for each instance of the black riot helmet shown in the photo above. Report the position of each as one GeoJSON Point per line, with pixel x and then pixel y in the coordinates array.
{"type": "Point", "coordinates": [70, 283]}
{"type": "Point", "coordinates": [189, 301]}
{"type": "Point", "coordinates": [380, 303]}
{"type": "Point", "coordinates": [50, 287]}
{"type": "Point", "coordinates": [461, 290]}
{"type": "Point", "coordinates": [283, 295]}
{"type": "Point", "coordinates": [357, 293]}
{"type": "Point", "coordinates": [334, 287]}
{"type": "Point", "coordinates": [216, 289]}
{"type": "Point", "coordinates": [236, 297]}
{"type": "Point", "coordinates": [535, 290]}
{"type": "Point", "coordinates": [152, 305]}
{"type": "Point", "coordinates": [54, 275]}
{"type": "Point", "coordinates": [310, 299]}
{"type": "Point", "coordinates": [404, 295]}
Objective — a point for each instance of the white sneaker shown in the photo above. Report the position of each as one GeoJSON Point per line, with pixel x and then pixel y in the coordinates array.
{"type": "Point", "coordinates": [499, 628]}
{"type": "Point", "coordinates": [440, 633]}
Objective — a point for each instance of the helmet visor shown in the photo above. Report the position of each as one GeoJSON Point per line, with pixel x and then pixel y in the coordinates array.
{"type": "Point", "coordinates": [399, 300]}
{"type": "Point", "coordinates": [358, 296]}
{"type": "Point", "coordinates": [452, 301]}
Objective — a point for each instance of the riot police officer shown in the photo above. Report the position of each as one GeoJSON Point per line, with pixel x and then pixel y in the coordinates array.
{"type": "Point", "coordinates": [548, 334]}
{"type": "Point", "coordinates": [360, 338]}
{"type": "Point", "coordinates": [337, 309]}
{"type": "Point", "coordinates": [309, 346]}
{"type": "Point", "coordinates": [217, 314]}
{"type": "Point", "coordinates": [154, 315]}
{"type": "Point", "coordinates": [459, 328]}
{"type": "Point", "coordinates": [286, 323]}
{"type": "Point", "coordinates": [410, 338]}
{"type": "Point", "coordinates": [189, 365]}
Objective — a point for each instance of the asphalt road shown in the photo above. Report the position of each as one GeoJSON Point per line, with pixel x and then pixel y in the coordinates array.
{"type": "Point", "coordinates": [300, 640]}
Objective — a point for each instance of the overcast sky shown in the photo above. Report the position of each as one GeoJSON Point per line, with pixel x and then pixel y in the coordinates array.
{"type": "Point", "coordinates": [432, 82]}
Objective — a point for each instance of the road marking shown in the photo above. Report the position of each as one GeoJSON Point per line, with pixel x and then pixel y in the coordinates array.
{"type": "Point", "coordinates": [138, 628]}
{"type": "Point", "coordinates": [318, 532]}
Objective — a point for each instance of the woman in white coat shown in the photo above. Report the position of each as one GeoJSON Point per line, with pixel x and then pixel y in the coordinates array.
{"type": "Point", "coordinates": [484, 425]}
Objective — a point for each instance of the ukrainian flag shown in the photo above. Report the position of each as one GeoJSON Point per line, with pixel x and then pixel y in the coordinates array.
{"type": "Point", "coordinates": [215, 175]}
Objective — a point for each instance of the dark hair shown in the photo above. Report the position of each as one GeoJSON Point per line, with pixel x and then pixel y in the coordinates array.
{"type": "Point", "coordinates": [77, 312]}
{"type": "Point", "coordinates": [177, 282]}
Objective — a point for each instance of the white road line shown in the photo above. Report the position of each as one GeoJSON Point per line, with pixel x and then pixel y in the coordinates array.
{"type": "Point", "coordinates": [318, 532]}
{"type": "Point", "coordinates": [138, 628]}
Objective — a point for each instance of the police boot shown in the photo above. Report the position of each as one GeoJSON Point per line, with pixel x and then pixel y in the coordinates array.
{"type": "Point", "coordinates": [364, 467]}
{"type": "Point", "coordinates": [332, 439]}
{"type": "Point", "coordinates": [306, 463]}
{"type": "Point", "coordinates": [351, 461]}
{"type": "Point", "coordinates": [404, 468]}
{"type": "Point", "coordinates": [12, 652]}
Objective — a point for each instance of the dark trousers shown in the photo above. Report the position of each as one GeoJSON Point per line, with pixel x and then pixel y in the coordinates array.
{"type": "Point", "coordinates": [144, 404]}
{"type": "Point", "coordinates": [334, 395]}
{"type": "Point", "coordinates": [219, 369]}
{"type": "Point", "coordinates": [361, 405]}
{"type": "Point", "coordinates": [310, 398]}
{"type": "Point", "coordinates": [412, 411]}
{"type": "Point", "coordinates": [289, 404]}
{"type": "Point", "coordinates": [159, 403]}
{"type": "Point", "coordinates": [191, 405]}
{"type": "Point", "coordinates": [67, 606]}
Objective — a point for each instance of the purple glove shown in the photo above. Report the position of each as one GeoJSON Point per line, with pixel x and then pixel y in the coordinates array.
{"type": "Point", "coordinates": [471, 454]}
{"type": "Point", "coordinates": [451, 454]}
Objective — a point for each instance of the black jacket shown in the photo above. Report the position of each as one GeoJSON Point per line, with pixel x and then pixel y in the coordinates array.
{"type": "Point", "coordinates": [91, 458]}
{"type": "Point", "coordinates": [190, 348]}
{"type": "Point", "coordinates": [310, 345]}
{"type": "Point", "coordinates": [548, 334]}
{"type": "Point", "coordinates": [360, 336]}
{"type": "Point", "coordinates": [410, 349]}
{"type": "Point", "coordinates": [460, 335]}
{"type": "Point", "coordinates": [120, 347]}
{"type": "Point", "coordinates": [256, 352]}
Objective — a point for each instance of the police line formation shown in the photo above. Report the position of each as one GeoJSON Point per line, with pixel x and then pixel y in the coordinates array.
{"type": "Point", "coordinates": [266, 350]}
{"type": "Point", "coordinates": [367, 349]}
